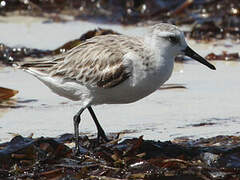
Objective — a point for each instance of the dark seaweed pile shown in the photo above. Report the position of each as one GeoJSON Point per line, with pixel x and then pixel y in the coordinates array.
{"type": "Point", "coordinates": [9, 55]}
{"type": "Point", "coordinates": [50, 158]}
{"type": "Point", "coordinates": [212, 19]}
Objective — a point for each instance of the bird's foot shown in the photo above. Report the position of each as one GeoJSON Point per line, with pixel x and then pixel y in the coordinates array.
{"type": "Point", "coordinates": [78, 150]}
{"type": "Point", "coordinates": [101, 137]}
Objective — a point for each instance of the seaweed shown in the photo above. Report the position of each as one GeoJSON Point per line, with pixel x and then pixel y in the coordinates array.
{"type": "Point", "coordinates": [136, 158]}
{"type": "Point", "coordinates": [212, 19]}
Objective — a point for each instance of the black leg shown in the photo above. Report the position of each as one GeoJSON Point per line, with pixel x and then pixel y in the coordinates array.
{"type": "Point", "coordinates": [101, 132]}
{"type": "Point", "coordinates": [76, 121]}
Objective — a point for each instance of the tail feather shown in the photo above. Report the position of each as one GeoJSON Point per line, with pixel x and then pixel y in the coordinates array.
{"type": "Point", "coordinates": [39, 67]}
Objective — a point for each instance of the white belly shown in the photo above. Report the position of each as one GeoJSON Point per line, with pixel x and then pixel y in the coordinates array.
{"type": "Point", "coordinates": [135, 88]}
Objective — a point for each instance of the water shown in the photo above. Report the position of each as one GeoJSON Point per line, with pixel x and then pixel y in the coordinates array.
{"type": "Point", "coordinates": [211, 96]}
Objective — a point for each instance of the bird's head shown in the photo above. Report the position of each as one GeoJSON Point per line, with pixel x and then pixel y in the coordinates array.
{"type": "Point", "coordinates": [170, 40]}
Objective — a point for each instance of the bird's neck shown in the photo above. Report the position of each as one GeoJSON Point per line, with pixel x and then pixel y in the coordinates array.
{"type": "Point", "coordinates": [160, 49]}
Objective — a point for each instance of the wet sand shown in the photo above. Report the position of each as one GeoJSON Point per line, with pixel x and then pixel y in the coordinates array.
{"type": "Point", "coordinates": [211, 97]}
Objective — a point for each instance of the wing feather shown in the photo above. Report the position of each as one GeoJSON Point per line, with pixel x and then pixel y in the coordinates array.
{"type": "Point", "coordinates": [97, 62]}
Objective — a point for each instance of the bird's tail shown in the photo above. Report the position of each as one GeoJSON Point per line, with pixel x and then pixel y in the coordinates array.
{"type": "Point", "coordinates": [37, 67]}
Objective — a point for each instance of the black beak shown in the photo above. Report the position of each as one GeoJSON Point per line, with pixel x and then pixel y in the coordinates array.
{"type": "Point", "coordinates": [191, 53]}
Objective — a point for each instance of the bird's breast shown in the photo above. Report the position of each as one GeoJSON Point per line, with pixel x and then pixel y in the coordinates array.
{"type": "Point", "coordinates": [142, 82]}
{"type": "Point", "coordinates": [150, 75]}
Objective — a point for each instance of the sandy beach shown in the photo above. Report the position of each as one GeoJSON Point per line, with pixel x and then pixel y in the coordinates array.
{"type": "Point", "coordinates": [210, 97]}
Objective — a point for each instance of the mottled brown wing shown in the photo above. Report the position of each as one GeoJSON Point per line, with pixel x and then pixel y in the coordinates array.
{"type": "Point", "coordinates": [97, 62]}
{"type": "Point", "coordinates": [112, 79]}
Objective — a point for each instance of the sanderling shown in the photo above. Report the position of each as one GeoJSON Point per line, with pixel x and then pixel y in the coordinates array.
{"type": "Point", "coordinates": [113, 69]}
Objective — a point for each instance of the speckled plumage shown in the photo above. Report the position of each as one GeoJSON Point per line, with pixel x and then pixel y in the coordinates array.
{"type": "Point", "coordinates": [96, 62]}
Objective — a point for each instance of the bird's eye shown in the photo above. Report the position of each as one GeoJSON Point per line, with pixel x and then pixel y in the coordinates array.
{"type": "Point", "coordinates": [173, 39]}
